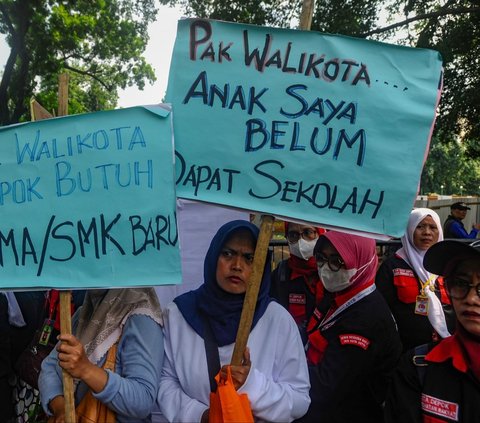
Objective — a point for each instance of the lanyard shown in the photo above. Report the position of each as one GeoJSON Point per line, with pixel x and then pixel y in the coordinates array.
{"type": "Point", "coordinates": [426, 284]}
{"type": "Point", "coordinates": [53, 296]}
{"type": "Point", "coordinates": [362, 294]}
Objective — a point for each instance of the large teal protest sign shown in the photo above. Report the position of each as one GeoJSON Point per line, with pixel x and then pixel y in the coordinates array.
{"type": "Point", "coordinates": [89, 201]}
{"type": "Point", "coordinates": [322, 128]}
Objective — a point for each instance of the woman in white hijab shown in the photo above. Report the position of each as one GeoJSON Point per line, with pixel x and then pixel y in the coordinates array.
{"type": "Point", "coordinates": [417, 298]}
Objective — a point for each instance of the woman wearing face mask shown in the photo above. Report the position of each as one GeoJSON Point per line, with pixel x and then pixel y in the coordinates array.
{"type": "Point", "coordinates": [416, 297]}
{"type": "Point", "coordinates": [295, 282]}
{"type": "Point", "coordinates": [353, 343]}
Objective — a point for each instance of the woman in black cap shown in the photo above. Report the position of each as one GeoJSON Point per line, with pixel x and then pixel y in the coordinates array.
{"type": "Point", "coordinates": [441, 382]}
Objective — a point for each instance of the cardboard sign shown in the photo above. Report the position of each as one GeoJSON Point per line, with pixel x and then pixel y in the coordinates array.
{"type": "Point", "coordinates": [89, 201]}
{"type": "Point", "coordinates": [326, 129]}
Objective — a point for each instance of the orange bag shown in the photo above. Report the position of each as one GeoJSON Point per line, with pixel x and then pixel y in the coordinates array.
{"type": "Point", "coordinates": [91, 410]}
{"type": "Point", "coordinates": [227, 405]}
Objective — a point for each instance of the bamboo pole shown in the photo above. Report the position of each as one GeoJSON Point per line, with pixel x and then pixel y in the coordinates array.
{"type": "Point", "coordinates": [66, 296]}
{"type": "Point", "coordinates": [253, 286]}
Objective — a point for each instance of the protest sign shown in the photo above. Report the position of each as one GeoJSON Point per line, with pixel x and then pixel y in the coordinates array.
{"type": "Point", "coordinates": [89, 201]}
{"type": "Point", "coordinates": [327, 129]}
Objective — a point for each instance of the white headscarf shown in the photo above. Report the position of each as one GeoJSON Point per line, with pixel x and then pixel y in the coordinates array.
{"type": "Point", "coordinates": [414, 258]}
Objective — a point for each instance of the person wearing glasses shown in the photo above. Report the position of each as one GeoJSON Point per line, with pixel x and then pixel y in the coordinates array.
{"type": "Point", "coordinates": [416, 297]}
{"type": "Point", "coordinates": [201, 328]}
{"type": "Point", "coordinates": [353, 344]}
{"type": "Point", "coordinates": [440, 382]}
{"type": "Point", "coordinates": [295, 282]}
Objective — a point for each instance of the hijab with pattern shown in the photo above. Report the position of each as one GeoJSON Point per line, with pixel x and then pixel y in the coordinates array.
{"type": "Point", "coordinates": [104, 313]}
{"type": "Point", "coordinates": [222, 309]}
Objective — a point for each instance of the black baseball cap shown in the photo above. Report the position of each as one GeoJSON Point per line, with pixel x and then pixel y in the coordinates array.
{"type": "Point", "coordinates": [439, 256]}
{"type": "Point", "coordinates": [459, 206]}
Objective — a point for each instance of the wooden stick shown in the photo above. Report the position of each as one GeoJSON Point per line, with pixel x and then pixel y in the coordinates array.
{"type": "Point", "coordinates": [307, 14]}
{"type": "Point", "coordinates": [66, 328]}
{"type": "Point", "coordinates": [66, 296]}
{"type": "Point", "coordinates": [253, 287]}
{"type": "Point", "coordinates": [63, 94]}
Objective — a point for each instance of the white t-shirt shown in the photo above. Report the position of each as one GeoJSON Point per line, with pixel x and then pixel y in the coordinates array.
{"type": "Point", "coordinates": [277, 385]}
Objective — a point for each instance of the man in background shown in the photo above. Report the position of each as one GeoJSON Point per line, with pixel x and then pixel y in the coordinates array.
{"type": "Point", "coordinates": [453, 226]}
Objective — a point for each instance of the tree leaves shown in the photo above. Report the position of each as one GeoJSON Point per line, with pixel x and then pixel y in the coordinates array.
{"type": "Point", "coordinates": [100, 40]}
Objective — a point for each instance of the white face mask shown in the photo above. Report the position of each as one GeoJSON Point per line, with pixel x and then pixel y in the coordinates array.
{"type": "Point", "coordinates": [303, 249]}
{"type": "Point", "coordinates": [338, 281]}
{"type": "Point", "coordinates": [335, 281]}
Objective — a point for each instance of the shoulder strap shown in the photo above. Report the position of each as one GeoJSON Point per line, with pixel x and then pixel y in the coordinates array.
{"type": "Point", "coordinates": [283, 271]}
{"type": "Point", "coordinates": [211, 349]}
{"type": "Point", "coordinates": [281, 274]}
{"type": "Point", "coordinates": [111, 357]}
{"type": "Point", "coordinates": [419, 361]}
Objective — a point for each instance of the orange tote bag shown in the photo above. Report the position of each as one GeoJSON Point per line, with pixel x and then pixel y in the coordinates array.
{"type": "Point", "coordinates": [227, 405]}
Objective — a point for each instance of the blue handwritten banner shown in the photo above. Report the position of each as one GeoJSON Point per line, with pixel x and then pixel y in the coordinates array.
{"type": "Point", "coordinates": [89, 201]}
{"type": "Point", "coordinates": [327, 129]}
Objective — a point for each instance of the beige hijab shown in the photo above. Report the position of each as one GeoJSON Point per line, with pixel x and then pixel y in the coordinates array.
{"type": "Point", "coordinates": [104, 313]}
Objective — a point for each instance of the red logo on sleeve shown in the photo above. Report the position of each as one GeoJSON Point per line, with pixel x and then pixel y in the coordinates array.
{"type": "Point", "coordinates": [352, 339]}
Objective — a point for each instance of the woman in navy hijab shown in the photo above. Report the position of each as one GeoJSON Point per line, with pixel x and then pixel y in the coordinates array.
{"type": "Point", "coordinates": [273, 372]}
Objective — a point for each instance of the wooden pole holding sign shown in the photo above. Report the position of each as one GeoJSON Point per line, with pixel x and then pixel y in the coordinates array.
{"type": "Point", "coordinates": [38, 112]}
{"type": "Point", "coordinates": [66, 328]}
{"type": "Point", "coordinates": [253, 286]}
{"type": "Point", "coordinates": [66, 296]}
{"type": "Point", "coordinates": [63, 94]}
{"type": "Point", "coordinates": [307, 14]}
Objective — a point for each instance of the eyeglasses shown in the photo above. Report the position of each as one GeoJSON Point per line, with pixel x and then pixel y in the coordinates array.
{"type": "Point", "coordinates": [459, 289]}
{"type": "Point", "coordinates": [335, 263]}
{"type": "Point", "coordinates": [307, 234]}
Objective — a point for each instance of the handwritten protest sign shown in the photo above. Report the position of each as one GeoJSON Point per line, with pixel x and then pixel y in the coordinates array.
{"type": "Point", "coordinates": [89, 201]}
{"type": "Point", "coordinates": [328, 129]}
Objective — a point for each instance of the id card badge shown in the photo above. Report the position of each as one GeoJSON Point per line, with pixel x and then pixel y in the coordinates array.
{"type": "Point", "coordinates": [47, 329]}
{"type": "Point", "coordinates": [421, 305]}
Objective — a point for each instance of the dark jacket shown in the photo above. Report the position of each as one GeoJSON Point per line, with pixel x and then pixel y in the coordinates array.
{"type": "Point", "coordinates": [349, 383]}
{"type": "Point", "coordinates": [437, 392]}
{"type": "Point", "coordinates": [399, 285]}
{"type": "Point", "coordinates": [293, 294]}
{"type": "Point", "coordinates": [14, 340]}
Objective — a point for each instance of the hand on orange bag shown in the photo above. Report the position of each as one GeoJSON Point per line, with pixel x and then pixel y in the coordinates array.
{"type": "Point", "coordinates": [239, 373]}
